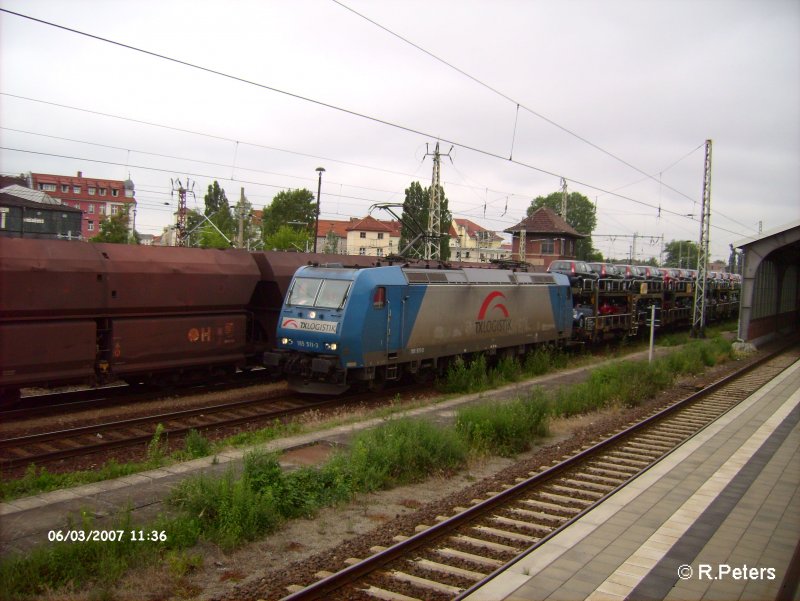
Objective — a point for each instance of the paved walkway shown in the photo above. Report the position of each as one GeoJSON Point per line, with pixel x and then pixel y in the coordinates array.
{"type": "Point", "coordinates": [719, 518]}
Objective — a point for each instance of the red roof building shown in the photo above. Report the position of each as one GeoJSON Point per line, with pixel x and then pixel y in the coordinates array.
{"type": "Point", "coordinates": [97, 198]}
{"type": "Point", "coordinates": [547, 238]}
{"type": "Point", "coordinates": [365, 236]}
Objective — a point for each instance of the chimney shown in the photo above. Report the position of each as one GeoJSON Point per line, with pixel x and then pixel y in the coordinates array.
{"type": "Point", "coordinates": [80, 173]}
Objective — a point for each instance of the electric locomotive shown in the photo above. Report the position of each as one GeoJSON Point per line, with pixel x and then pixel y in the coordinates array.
{"type": "Point", "coordinates": [340, 326]}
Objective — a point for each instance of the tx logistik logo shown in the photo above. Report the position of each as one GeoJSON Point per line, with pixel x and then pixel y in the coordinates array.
{"type": "Point", "coordinates": [493, 326]}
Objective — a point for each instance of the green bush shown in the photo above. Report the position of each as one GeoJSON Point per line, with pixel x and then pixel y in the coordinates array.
{"type": "Point", "coordinates": [504, 428]}
{"type": "Point", "coordinates": [399, 452]}
{"type": "Point", "coordinates": [231, 509]}
{"type": "Point", "coordinates": [196, 445]}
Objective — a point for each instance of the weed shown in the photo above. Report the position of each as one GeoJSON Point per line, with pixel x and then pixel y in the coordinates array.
{"type": "Point", "coordinates": [181, 563]}
{"type": "Point", "coordinates": [196, 445]}
{"type": "Point", "coordinates": [504, 428]}
{"type": "Point", "coordinates": [158, 447]}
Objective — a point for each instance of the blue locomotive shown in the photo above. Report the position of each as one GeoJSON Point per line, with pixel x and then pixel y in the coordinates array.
{"type": "Point", "coordinates": [342, 326]}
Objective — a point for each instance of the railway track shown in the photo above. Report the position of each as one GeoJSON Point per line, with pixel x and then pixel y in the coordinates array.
{"type": "Point", "coordinates": [53, 446]}
{"type": "Point", "coordinates": [57, 403]}
{"type": "Point", "coordinates": [447, 559]}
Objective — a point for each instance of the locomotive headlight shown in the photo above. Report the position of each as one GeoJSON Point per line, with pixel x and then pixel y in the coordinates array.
{"type": "Point", "coordinates": [285, 341]}
{"type": "Point", "coordinates": [312, 314]}
{"type": "Point", "coordinates": [331, 346]}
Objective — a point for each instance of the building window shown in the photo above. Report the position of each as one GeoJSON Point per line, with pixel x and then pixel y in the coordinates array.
{"type": "Point", "coordinates": [362, 234]}
{"type": "Point", "coordinates": [65, 187]}
{"type": "Point", "coordinates": [90, 225]}
{"type": "Point", "coordinates": [380, 235]}
{"type": "Point", "coordinates": [114, 192]}
{"type": "Point", "coordinates": [91, 208]}
{"type": "Point", "coordinates": [47, 187]}
{"type": "Point", "coordinates": [92, 191]}
{"type": "Point", "coordinates": [380, 252]}
{"type": "Point", "coordinates": [103, 191]}
{"type": "Point", "coordinates": [102, 210]}
{"type": "Point", "coordinates": [548, 247]}
{"type": "Point", "coordinates": [76, 189]}
{"type": "Point", "coordinates": [362, 250]}
{"type": "Point", "coordinates": [114, 209]}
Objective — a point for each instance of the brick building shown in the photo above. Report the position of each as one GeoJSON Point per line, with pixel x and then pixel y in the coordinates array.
{"type": "Point", "coordinates": [97, 198]}
{"type": "Point", "coordinates": [547, 238]}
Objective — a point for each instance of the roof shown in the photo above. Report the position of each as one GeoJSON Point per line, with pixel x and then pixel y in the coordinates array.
{"type": "Point", "coordinates": [768, 234]}
{"type": "Point", "coordinates": [14, 200]}
{"type": "Point", "coordinates": [34, 196]}
{"type": "Point", "coordinates": [368, 224]}
{"type": "Point", "coordinates": [356, 224]}
{"type": "Point", "coordinates": [545, 221]}
{"type": "Point", "coordinates": [49, 178]}
{"type": "Point", "coordinates": [327, 226]}
{"type": "Point", "coordinates": [476, 231]}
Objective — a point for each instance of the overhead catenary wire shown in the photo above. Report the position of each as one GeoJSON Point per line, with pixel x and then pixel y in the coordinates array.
{"type": "Point", "coordinates": [536, 113]}
{"type": "Point", "coordinates": [342, 109]}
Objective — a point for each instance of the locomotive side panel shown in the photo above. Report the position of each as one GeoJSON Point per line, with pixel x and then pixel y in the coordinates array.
{"type": "Point", "coordinates": [169, 343]}
{"type": "Point", "coordinates": [465, 319]}
{"type": "Point", "coordinates": [55, 351]}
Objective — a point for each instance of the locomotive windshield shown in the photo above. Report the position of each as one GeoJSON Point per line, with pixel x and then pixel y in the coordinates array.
{"type": "Point", "coordinates": [315, 292]}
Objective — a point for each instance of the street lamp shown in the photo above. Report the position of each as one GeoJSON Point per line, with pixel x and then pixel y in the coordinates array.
{"type": "Point", "coordinates": [316, 220]}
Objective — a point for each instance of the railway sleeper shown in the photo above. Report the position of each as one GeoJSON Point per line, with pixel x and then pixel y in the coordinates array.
{"type": "Point", "coordinates": [469, 557]}
{"type": "Point", "coordinates": [424, 583]}
{"type": "Point", "coordinates": [540, 504]}
{"type": "Point", "coordinates": [587, 482]}
{"type": "Point", "coordinates": [629, 458]}
{"type": "Point", "coordinates": [506, 534]}
{"type": "Point", "coordinates": [540, 530]}
{"type": "Point", "coordinates": [641, 453]}
{"type": "Point", "coordinates": [658, 436]}
{"type": "Point", "coordinates": [564, 499]}
{"type": "Point", "coordinates": [650, 446]}
{"type": "Point", "coordinates": [572, 490]}
{"type": "Point", "coordinates": [608, 474]}
{"type": "Point", "coordinates": [444, 568]}
{"type": "Point", "coordinates": [485, 544]}
{"type": "Point", "coordinates": [381, 593]}
{"type": "Point", "coordinates": [615, 468]}
{"type": "Point", "coordinates": [588, 476]}
{"type": "Point", "coordinates": [556, 520]}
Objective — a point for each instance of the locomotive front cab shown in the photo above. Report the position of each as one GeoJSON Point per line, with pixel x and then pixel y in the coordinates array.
{"type": "Point", "coordinates": [310, 329]}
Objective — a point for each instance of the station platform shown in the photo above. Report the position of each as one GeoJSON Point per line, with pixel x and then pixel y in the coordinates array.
{"type": "Point", "coordinates": [717, 519]}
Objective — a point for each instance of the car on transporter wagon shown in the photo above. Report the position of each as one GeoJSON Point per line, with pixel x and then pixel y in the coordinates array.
{"type": "Point", "coordinates": [577, 271]}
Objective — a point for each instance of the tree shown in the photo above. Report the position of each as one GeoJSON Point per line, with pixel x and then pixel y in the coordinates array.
{"type": "Point", "coordinates": [681, 253]}
{"type": "Point", "coordinates": [115, 229]}
{"type": "Point", "coordinates": [416, 209]}
{"type": "Point", "coordinates": [288, 238]}
{"type": "Point", "coordinates": [580, 215]}
{"type": "Point", "coordinates": [290, 207]}
{"type": "Point", "coordinates": [251, 234]}
{"type": "Point", "coordinates": [331, 243]}
{"type": "Point", "coordinates": [218, 211]}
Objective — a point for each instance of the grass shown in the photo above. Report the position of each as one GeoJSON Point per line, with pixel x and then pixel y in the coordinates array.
{"type": "Point", "coordinates": [477, 375]}
{"type": "Point", "coordinates": [240, 507]}
{"type": "Point", "coordinates": [504, 428]}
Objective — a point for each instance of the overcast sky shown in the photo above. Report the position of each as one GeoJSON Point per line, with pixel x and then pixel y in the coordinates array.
{"type": "Point", "coordinates": [610, 92]}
